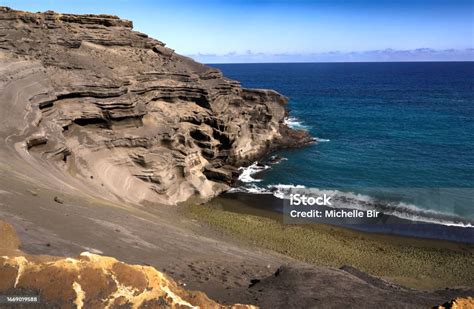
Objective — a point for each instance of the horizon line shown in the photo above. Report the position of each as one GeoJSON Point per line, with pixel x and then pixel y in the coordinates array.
{"type": "Point", "coordinates": [343, 62]}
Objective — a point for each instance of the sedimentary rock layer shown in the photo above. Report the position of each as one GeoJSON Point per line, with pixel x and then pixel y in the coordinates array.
{"type": "Point", "coordinates": [129, 118]}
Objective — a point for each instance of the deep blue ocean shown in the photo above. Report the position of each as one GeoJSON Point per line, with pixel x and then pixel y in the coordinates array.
{"type": "Point", "coordinates": [394, 130]}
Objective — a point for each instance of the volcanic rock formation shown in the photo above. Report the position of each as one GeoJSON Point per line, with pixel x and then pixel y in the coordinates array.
{"type": "Point", "coordinates": [115, 113]}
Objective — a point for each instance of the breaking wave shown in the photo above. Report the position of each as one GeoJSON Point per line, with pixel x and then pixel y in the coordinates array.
{"type": "Point", "coordinates": [247, 172]}
{"type": "Point", "coordinates": [295, 123]}
{"type": "Point", "coordinates": [351, 200]}
{"type": "Point", "coordinates": [321, 140]}
{"type": "Point", "coordinates": [341, 199]}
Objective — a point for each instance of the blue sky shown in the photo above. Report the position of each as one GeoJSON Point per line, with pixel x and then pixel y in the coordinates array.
{"type": "Point", "coordinates": [293, 31]}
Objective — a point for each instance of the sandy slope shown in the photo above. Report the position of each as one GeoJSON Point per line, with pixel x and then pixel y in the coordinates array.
{"type": "Point", "coordinates": [193, 255]}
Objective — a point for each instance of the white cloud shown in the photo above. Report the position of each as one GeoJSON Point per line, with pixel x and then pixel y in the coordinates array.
{"type": "Point", "coordinates": [419, 54]}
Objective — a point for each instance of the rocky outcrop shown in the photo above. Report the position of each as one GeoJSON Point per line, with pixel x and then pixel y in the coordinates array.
{"type": "Point", "coordinates": [127, 116]}
{"type": "Point", "coordinates": [90, 281]}
{"type": "Point", "coordinates": [458, 303]}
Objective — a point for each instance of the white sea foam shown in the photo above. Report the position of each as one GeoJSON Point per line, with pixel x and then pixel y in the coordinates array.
{"type": "Point", "coordinates": [351, 200]}
{"type": "Point", "coordinates": [283, 191]}
{"type": "Point", "coordinates": [321, 140]}
{"type": "Point", "coordinates": [401, 210]}
{"type": "Point", "coordinates": [256, 167]}
{"type": "Point", "coordinates": [413, 213]}
{"type": "Point", "coordinates": [247, 172]}
{"type": "Point", "coordinates": [277, 159]}
{"type": "Point", "coordinates": [280, 191]}
{"type": "Point", "coordinates": [294, 123]}
{"type": "Point", "coordinates": [297, 124]}
{"type": "Point", "coordinates": [250, 188]}
{"type": "Point", "coordinates": [341, 199]}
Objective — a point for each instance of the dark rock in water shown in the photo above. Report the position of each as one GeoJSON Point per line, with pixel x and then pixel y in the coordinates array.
{"type": "Point", "coordinates": [149, 124]}
{"type": "Point", "coordinates": [275, 159]}
{"type": "Point", "coordinates": [293, 138]}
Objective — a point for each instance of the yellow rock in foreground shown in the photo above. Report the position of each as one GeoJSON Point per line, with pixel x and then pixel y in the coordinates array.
{"type": "Point", "coordinates": [459, 303]}
{"type": "Point", "coordinates": [91, 281]}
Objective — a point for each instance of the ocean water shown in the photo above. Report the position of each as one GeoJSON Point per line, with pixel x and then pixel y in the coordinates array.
{"type": "Point", "coordinates": [402, 132]}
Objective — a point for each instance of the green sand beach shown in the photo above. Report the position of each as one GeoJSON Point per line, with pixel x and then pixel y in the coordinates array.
{"type": "Point", "coordinates": [411, 262]}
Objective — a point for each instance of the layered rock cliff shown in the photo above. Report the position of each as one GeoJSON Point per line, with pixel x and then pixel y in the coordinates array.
{"type": "Point", "coordinates": [115, 113]}
{"type": "Point", "coordinates": [90, 281]}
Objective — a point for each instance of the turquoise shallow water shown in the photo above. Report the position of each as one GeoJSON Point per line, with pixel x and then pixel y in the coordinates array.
{"type": "Point", "coordinates": [398, 131]}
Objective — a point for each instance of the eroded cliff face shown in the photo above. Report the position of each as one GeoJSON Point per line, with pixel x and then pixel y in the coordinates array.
{"type": "Point", "coordinates": [90, 281]}
{"type": "Point", "coordinates": [88, 98]}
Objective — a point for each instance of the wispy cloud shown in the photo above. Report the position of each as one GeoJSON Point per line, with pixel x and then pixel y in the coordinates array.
{"type": "Point", "coordinates": [419, 54]}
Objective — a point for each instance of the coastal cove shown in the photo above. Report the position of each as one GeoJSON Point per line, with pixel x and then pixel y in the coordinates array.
{"type": "Point", "coordinates": [396, 132]}
{"type": "Point", "coordinates": [134, 176]}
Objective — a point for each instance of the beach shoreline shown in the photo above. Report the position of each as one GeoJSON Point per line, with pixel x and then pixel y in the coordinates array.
{"type": "Point", "coordinates": [210, 257]}
{"type": "Point", "coordinates": [415, 262]}
{"type": "Point", "coordinates": [271, 206]}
